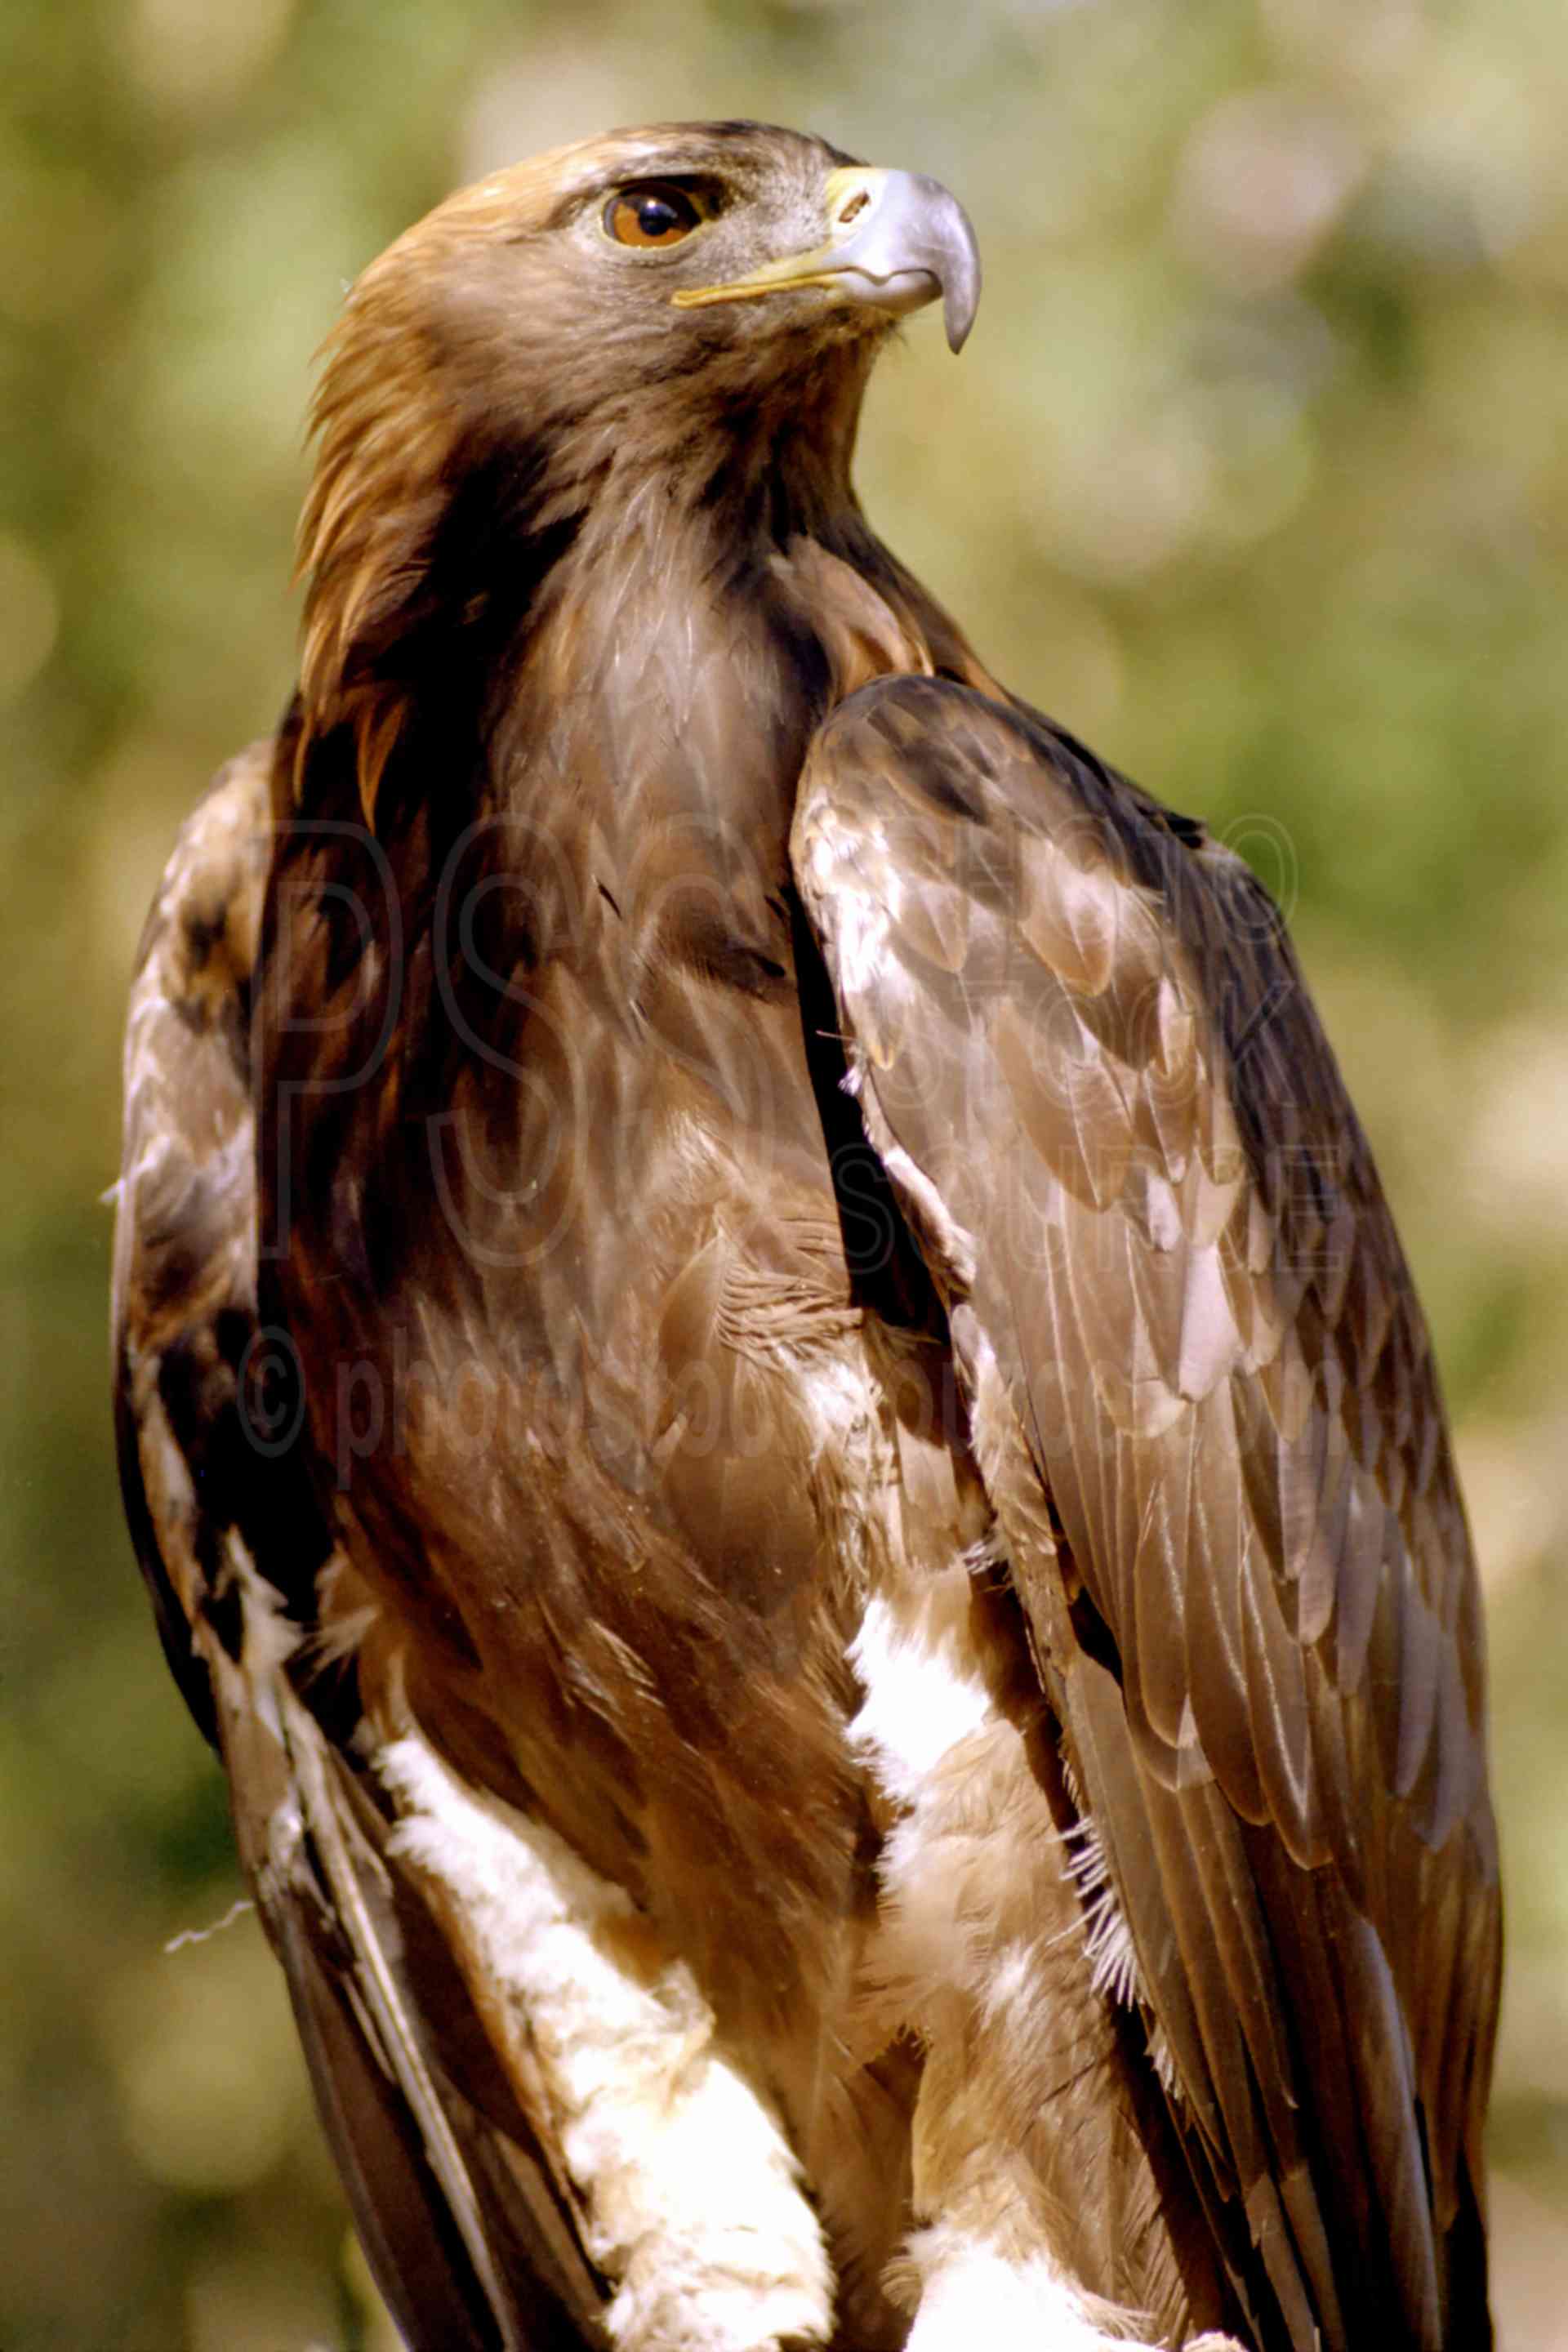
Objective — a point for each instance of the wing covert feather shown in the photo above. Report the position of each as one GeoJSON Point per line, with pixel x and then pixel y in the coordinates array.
{"type": "Point", "coordinates": [1080, 1040]}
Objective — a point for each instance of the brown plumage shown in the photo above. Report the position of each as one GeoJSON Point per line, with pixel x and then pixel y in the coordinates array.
{"type": "Point", "coordinates": [766, 1389]}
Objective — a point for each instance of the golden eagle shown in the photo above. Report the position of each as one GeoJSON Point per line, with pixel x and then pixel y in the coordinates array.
{"type": "Point", "coordinates": [766, 1391]}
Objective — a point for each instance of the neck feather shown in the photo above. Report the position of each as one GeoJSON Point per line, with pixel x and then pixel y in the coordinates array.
{"type": "Point", "coordinates": [441, 541]}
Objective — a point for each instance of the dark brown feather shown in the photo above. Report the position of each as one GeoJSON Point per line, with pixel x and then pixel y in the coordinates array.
{"type": "Point", "coordinates": [1218, 1368]}
{"type": "Point", "coordinates": [464, 2228]}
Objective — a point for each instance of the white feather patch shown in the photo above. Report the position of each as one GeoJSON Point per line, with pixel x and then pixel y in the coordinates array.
{"type": "Point", "coordinates": [955, 1244]}
{"type": "Point", "coordinates": [849, 868]}
{"type": "Point", "coordinates": [973, 2294]}
{"type": "Point", "coordinates": [842, 1407]}
{"type": "Point", "coordinates": [1112, 1956]}
{"type": "Point", "coordinates": [689, 2186]}
{"type": "Point", "coordinates": [860, 936]}
{"type": "Point", "coordinates": [923, 1692]}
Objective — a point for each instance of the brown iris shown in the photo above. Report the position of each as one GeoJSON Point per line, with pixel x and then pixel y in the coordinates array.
{"type": "Point", "coordinates": [652, 213]}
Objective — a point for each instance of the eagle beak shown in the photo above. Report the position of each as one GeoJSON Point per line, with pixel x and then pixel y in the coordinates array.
{"type": "Point", "coordinates": [895, 240]}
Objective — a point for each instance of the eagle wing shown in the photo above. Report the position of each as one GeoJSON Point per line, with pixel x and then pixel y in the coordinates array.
{"type": "Point", "coordinates": [1204, 1403]}
{"type": "Point", "coordinates": [467, 2223]}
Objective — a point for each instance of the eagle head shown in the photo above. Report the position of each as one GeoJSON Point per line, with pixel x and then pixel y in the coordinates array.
{"type": "Point", "coordinates": [612, 314]}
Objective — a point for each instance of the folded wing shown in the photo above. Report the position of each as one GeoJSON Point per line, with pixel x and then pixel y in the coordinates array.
{"type": "Point", "coordinates": [467, 2226]}
{"type": "Point", "coordinates": [1205, 1406]}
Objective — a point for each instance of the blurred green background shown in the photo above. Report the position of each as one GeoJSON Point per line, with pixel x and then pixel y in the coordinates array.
{"type": "Point", "coordinates": [1255, 472]}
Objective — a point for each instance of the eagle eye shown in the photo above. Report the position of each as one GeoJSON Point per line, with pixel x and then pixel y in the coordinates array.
{"type": "Point", "coordinates": [657, 213]}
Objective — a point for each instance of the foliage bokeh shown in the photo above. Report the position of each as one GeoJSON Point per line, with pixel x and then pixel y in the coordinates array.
{"type": "Point", "coordinates": [1255, 472]}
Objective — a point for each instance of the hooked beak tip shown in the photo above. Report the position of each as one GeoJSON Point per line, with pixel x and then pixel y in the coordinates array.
{"type": "Point", "coordinates": [897, 241]}
{"type": "Point", "coordinates": [922, 226]}
{"type": "Point", "coordinates": [957, 318]}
